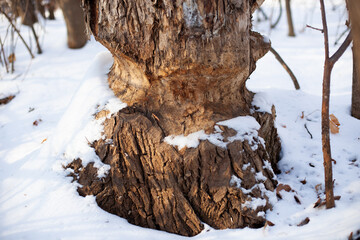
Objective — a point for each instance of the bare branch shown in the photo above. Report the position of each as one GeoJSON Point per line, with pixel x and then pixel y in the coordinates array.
{"type": "Point", "coordinates": [325, 29]}
{"type": "Point", "coordinates": [279, 17]}
{"type": "Point", "coordinates": [2, 51]}
{"type": "Point", "coordinates": [18, 32]}
{"type": "Point", "coordinates": [318, 29]}
{"type": "Point", "coordinates": [341, 50]}
{"type": "Point", "coordinates": [311, 136]}
{"type": "Point", "coordinates": [341, 35]}
{"type": "Point", "coordinates": [286, 67]}
{"type": "Point", "coordinates": [36, 40]}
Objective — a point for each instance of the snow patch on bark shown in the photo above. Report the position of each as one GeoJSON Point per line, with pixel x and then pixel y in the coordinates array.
{"type": "Point", "coordinates": [191, 141]}
{"type": "Point", "coordinates": [262, 101]}
{"type": "Point", "coordinates": [246, 127]}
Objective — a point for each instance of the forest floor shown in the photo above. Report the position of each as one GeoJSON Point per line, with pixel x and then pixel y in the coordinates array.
{"type": "Point", "coordinates": [50, 122]}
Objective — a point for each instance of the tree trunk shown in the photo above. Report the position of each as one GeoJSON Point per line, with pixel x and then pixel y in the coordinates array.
{"type": "Point", "coordinates": [26, 10]}
{"type": "Point", "coordinates": [41, 8]}
{"type": "Point", "coordinates": [181, 66]}
{"type": "Point", "coordinates": [51, 7]}
{"type": "Point", "coordinates": [289, 19]}
{"type": "Point", "coordinates": [354, 10]}
{"type": "Point", "coordinates": [75, 24]}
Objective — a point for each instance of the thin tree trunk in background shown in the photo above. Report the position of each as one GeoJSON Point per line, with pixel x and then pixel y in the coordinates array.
{"type": "Point", "coordinates": [289, 18]}
{"type": "Point", "coordinates": [354, 10]}
{"type": "Point", "coordinates": [75, 23]}
{"type": "Point", "coordinates": [51, 6]}
{"type": "Point", "coordinates": [325, 121]}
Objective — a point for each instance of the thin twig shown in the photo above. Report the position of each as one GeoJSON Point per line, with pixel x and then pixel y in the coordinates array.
{"type": "Point", "coordinates": [12, 51]}
{"type": "Point", "coordinates": [286, 67]}
{"type": "Point", "coordinates": [4, 56]}
{"type": "Point", "coordinates": [311, 136]}
{"type": "Point", "coordinates": [318, 29]}
{"type": "Point", "coordinates": [279, 17]}
{"type": "Point", "coordinates": [18, 32]}
{"type": "Point", "coordinates": [341, 35]}
{"type": "Point", "coordinates": [36, 40]}
{"type": "Point", "coordinates": [263, 13]}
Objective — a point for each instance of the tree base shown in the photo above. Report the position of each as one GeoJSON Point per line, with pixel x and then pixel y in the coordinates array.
{"type": "Point", "coordinates": [152, 184]}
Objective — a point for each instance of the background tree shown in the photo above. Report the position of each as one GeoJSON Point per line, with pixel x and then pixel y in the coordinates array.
{"type": "Point", "coordinates": [325, 121]}
{"type": "Point", "coordinates": [75, 24]}
{"type": "Point", "coordinates": [354, 11]}
{"type": "Point", "coordinates": [26, 9]}
{"type": "Point", "coordinates": [291, 32]}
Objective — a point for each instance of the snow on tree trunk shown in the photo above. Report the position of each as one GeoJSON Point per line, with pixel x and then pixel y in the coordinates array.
{"type": "Point", "coordinates": [181, 66]}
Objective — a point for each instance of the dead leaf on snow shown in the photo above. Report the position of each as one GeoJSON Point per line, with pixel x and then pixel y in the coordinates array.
{"type": "Point", "coordinates": [318, 188]}
{"type": "Point", "coordinates": [281, 187]}
{"type": "Point", "coordinates": [334, 119]}
{"type": "Point", "coordinates": [317, 203]}
{"type": "Point", "coordinates": [334, 124]}
{"type": "Point", "coordinates": [268, 223]}
{"type": "Point", "coordinates": [304, 222]}
{"type": "Point", "coordinates": [36, 122]}
{"type": "Point", "coordinates": [12, 58]}
{"type": "Point", "coordinates": [337, 197]}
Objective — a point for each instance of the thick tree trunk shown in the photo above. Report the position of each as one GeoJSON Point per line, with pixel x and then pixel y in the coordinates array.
{"type": "Point", "coordinates": [181, 66]}
{"type": "Point", "coordinates": [75, 24]}
{"type": "Point", "coordinates": [354, 10]}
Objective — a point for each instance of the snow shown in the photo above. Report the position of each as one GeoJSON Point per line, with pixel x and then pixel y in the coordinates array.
{"type": "Point", "coordinates": [191, 141]}
{"type": "Point", "coordinates": [245, 126]}
{"type": "Point", "coordinates": [63, 89]}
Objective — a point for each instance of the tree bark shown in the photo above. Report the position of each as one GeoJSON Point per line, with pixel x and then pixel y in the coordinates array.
{"type": "Point", "coordinates": [291, 32]}
{"type": "Point", "coordinates": [75, 24]}
{"type": "Point", "coordinates": [181, 67]}
{"type": "Point", "coordinates": [354, 11]}
{"type": "Point", "coordinates": [325, 121]}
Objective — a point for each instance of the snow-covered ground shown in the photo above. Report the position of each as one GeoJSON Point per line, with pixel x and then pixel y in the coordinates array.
{"type": "Point", "coordinates": [49, 122]}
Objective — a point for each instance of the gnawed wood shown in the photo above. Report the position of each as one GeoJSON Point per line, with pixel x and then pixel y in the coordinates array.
{"type": "Point", "coordinates": [181, 67]}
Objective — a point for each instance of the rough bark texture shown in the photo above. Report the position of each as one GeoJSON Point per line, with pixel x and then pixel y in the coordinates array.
{"type": "Point", "coordinates": [152, 184]}
{"type": "Point", "coordinates": [185, 61]}
{"type": "Point", "coordinates": [354, 10]}
{"type": "Point", "coordinates": [75, 24]}
{"type": "Point", "coordinates": [181, 66]}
